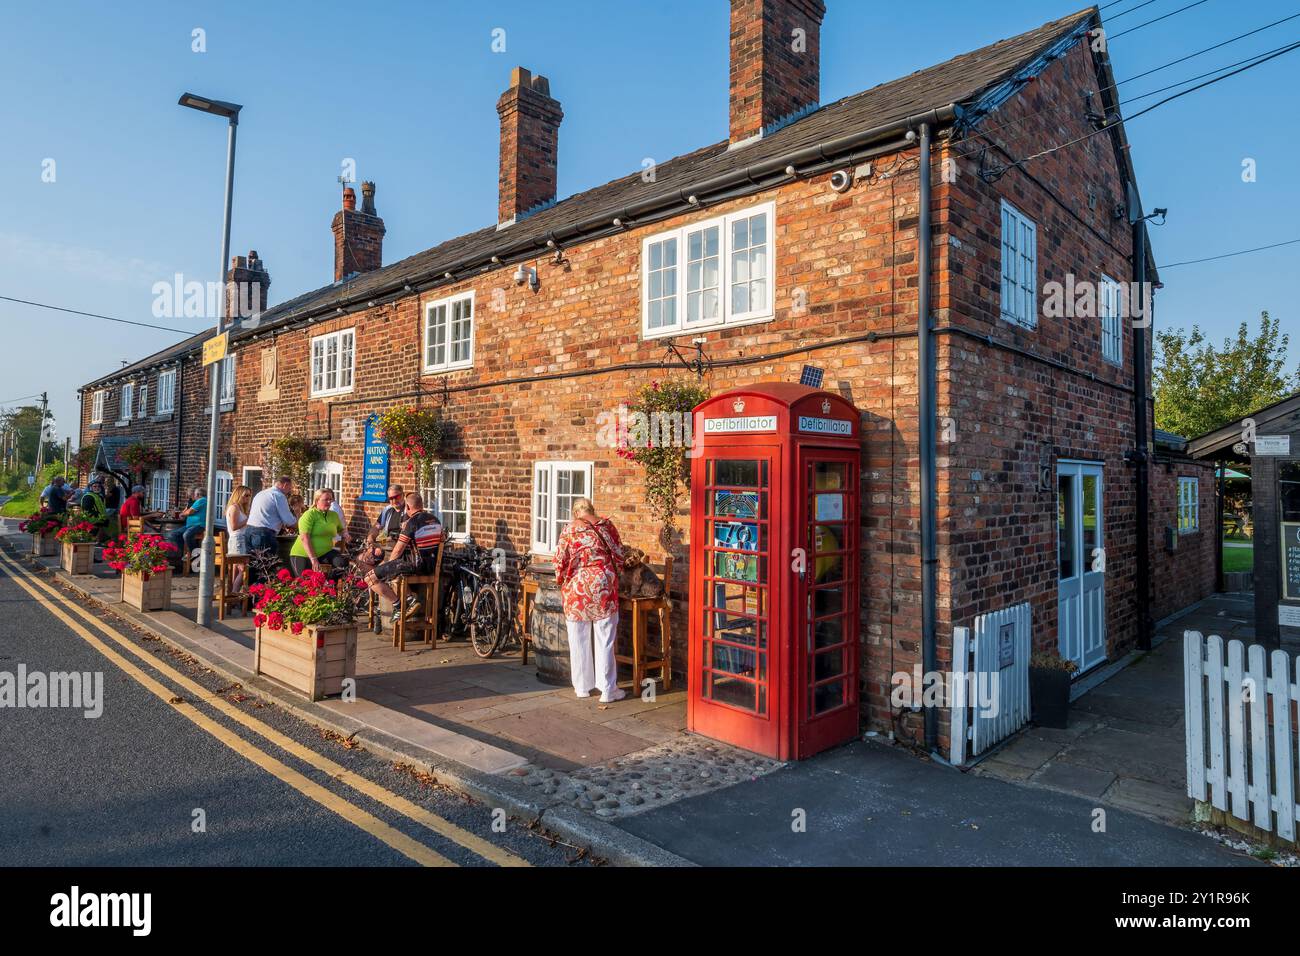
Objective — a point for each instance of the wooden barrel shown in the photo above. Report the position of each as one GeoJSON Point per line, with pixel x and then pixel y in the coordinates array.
{"type": "Point", "coordinates": [550, 636]}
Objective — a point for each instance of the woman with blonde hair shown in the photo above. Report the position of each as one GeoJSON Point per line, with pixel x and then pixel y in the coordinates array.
{"type": "Point", "coordinates": [237, 509]}
{"type": "Point", "coordinates": [587, 561]}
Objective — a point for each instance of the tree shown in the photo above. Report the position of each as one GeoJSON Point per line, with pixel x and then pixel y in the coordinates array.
{"type": "Point", "coordinates": [1199, 388]}
{"type": "Point", "coordinates": [25, 424]}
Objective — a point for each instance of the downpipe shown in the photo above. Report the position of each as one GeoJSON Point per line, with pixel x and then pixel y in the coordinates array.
{"type": "Point", "coordinates": [926, 413]}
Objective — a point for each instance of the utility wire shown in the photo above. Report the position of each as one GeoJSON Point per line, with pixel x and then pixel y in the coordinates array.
{"type": "Point", "coordinates": [1059, 107]}
{"type": "Point", "coordinates": [20, 398]}
{"type": "Point", "coordinates": [1125, 119]}
{"type": "Point", "coordinates": [1229, 255]}
{"type": "Point", "coordinates": [1156, 20]}
{"type": "Point", "coordinates": [1128, 11]}
{"type": "Point", "coordinates": [94, 315]}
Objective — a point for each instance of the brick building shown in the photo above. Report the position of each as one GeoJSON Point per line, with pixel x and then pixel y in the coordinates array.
{"type": "Point", "coordinates": [794, 242]}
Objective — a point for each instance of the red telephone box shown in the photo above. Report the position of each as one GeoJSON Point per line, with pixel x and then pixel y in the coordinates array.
{"type": "Point", "coordinates": [774, 570]}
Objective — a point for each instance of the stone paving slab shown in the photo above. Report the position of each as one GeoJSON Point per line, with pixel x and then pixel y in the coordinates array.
{"type": "Point", "coordinates": [1070, 778]}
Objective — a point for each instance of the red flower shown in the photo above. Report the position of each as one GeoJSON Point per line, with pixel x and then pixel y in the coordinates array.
{"type": "Point", "coordinates": [284, 576]}
{"type": "Point", "coordinates": [296, 627]}
{"type": "Point", "coordinates": [276, 620]}
{"type": "Point", "coordinates": [259, 620]}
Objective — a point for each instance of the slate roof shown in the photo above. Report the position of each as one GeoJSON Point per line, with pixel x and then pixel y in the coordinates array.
{"type": "Point", "coordinates": [962, 81]}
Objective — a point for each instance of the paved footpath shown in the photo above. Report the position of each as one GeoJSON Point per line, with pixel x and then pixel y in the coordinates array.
{"type": "Point", "coordinates": [871, 805]}
{"type": "Point", "coordinates": [123, 788]}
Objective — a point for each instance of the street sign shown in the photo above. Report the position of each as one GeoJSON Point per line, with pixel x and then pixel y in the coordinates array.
{"type": "Point", "coordinates": [214, 349]}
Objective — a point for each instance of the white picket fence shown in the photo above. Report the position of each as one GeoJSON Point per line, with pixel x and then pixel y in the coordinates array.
{"type": "Point", "coordinates": [1241, 731]}
{"type": "Point", "coordinates": [990, 657]}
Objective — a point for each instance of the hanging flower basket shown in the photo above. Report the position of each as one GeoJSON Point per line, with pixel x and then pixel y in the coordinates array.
{"type": "Point", "coordinates": [415, 435]}
{"type": "Point", "coordinates": [655, 432]}
{"type": "Point", "coordinates": [143, 460]}
{"type": "Point", "coordinates": [293, 455]}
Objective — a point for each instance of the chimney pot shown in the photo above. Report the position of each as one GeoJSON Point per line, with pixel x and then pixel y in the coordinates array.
{"type": "Point", "coordinates": [358, 235]}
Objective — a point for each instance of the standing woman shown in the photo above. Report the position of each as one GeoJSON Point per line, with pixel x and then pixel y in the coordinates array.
{"type": "Point", "coordinates": [587, 561]}
{"type": "Point", "coordinates": [237, 509]}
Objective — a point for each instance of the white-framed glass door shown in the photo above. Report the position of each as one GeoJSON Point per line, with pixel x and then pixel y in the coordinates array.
{"type": "Point", "coordinates": [1081, 563]}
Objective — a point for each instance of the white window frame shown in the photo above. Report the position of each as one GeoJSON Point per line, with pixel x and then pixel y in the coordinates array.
{"type": "Point", "coordinates": [125, 402]}
{"type": "Point", "coordinates": [166, 391]}
{"type": "Point", "coordinates": [327, 474]}
{"type": "Point", "coordinates": [1019, 282]}
{"type": "Point", "coordinates": [433, 496]}
{"type": "Point", "coordinates": [160, 479]}
{"type": "Point", "coordinates": [97, 407]}
{"type": "Point", "coordinates": [144, 400]}
{"type": "Point", "coordinates": [243, 477]}
{"type": "Point", "coordinates": [1189, 505]}
{"type": "Point", "coordinates": [544, 520]}
{"type": "Point", "coordinates": [226, 369]}
{"type": "Point", "coordinates": [448, 323]}
{"type": "Point", "coordinates": [727, 313]}
{"type": "Point", "coordinates": [1109, 305]}
{"type": "Point", "coordinates": [344, 342]}
{"type": "Point", "coordinates": [225, 484]}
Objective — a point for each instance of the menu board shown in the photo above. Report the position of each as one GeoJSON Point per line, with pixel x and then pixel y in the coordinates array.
{"type": "Point", "coordinates": [1291, 560]}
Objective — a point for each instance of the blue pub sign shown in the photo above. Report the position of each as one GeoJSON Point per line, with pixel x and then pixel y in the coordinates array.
{"type": "Point", "coordinates": [374, 466]}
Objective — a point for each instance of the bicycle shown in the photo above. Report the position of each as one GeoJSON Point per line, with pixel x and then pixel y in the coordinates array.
{"type": "Point", "coordinates": [493, 624]}
{"type": "Point", "coordinates": [465, 573]}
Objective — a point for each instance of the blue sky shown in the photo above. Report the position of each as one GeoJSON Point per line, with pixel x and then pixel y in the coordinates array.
{"type": "Point", "coordinates": [409, 90]}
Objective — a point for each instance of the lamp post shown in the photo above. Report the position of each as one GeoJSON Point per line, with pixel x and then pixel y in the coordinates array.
{"type": "Point", "coordinates": [231, 112]}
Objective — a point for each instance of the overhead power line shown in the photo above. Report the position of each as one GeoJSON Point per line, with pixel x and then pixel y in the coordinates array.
{"type": "Point", "coordinates": [1156, 20]}
{"type": "Point", "coordinates": [1208, 49]}
{"type": "Point", "coordinates": [94, 315]}
{"type": "Point", "coordinates": [1229, 255]}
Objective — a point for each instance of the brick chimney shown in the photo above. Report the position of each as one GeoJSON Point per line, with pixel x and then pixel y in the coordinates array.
{"type": "Point", "coordinates": [530, 135]}
{"type": "Point", "coordinates": [775, 63]}
{"type": "Point", "coordinates": [246, 288]}
{"type": "Point", "coordinates": [358, 236]}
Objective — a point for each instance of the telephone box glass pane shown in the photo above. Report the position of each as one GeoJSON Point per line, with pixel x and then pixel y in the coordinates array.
{"type": "Point", "coordinates": [828, 632]}
{"type": "Point", "coordinates": [828, 697]}
{"type": "Point", "coordinates": [736, 564]}
{"type": "Point", "coordinates": [828, 601]}
{"type": "Point", "coordinates": [830, 475]}
{"type": "Point", "coordinates": [828, 664]}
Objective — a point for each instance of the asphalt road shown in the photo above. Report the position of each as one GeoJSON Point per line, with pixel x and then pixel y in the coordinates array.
{"type": "Point", "coordinates": [123, 788]}
{"type": "Point", "coordinates": [870, 805]}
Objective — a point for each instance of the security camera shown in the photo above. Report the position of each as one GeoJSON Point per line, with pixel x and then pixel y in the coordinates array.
{"type": "Point", "coordinates": [842, 180]}
{"type": "Point", "coordinates": [521, 274]}
{"type": "Point", "coordinates": [526, 274]}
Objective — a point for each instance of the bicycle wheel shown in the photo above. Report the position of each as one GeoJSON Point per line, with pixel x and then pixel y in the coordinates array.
{"type": "Point", "coordinates": [485, 624]}
{"type": "Point", "coordinates": [453, 611]}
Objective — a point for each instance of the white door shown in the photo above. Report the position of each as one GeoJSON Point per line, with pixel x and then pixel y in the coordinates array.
{"type": "Point", "coordinates": [1081, 562]}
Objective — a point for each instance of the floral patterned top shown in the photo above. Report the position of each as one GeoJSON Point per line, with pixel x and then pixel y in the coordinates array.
{"type": "Point", "coordinates": [587, 561]}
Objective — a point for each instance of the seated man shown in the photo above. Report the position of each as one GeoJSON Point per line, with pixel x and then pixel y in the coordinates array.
{"type": "Point", "coordinates": [195, 515]}
{"type": "Point", "coordinates": [55, 495]}
{"type": "Point", "coordinates": [417, 545]}
{"type": "Point", "coordinates": [390, 522]}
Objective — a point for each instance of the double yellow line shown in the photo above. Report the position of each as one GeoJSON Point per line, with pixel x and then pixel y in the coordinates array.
{"type": "Point", "coordinates": [399, 841]}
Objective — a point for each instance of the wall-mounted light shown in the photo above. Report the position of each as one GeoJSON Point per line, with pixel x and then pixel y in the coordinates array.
{"type": "Point", "coordinates": [618, 223]}
{"type": "Point", "coordinates": [446, 275]}
{"type": "Point", "coordinates": [496, 260]}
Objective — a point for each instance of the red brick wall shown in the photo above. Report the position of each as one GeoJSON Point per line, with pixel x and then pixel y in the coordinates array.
{"type": "Point", "coordinates": [1014, 415]}
{"type": "Point", "coordinates": [1186, 575]}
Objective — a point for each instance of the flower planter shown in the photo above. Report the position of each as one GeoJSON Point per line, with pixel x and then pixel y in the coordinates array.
{"type": "Point", "coordinates": [152, 593]}
{"type": "Point", "coordinates": [78, 556]}
{"type": "Point", "coordinates": [1049, 696]}
{"type": "Point", "coordinates": [45, 545]}
{"type": "Point", "coordinates": [315, 662]}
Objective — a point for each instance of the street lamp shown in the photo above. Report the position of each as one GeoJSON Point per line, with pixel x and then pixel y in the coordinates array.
{"type": "Point", "coordinates": [231, 112]}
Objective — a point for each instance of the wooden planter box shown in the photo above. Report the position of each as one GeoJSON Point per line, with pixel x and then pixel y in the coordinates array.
{"type": "Point", "coordinates": [315, 662]}
{"type": "Point", "coordinates": [45, 545]}
{"type": "Point", "coordinates": [148, 594]}
{"type": "Point", "coordinates": [78, 557]}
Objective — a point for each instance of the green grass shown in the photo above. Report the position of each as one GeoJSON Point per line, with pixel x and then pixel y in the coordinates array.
{"type": "Point", "coordinates": [1238, 559]}
{"type": "Point", "coordinates": [25, 500]}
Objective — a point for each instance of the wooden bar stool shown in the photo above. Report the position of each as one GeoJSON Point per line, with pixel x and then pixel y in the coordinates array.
{"type": "Point", "coordinates": [226, 565]}
{"type": "Point", "coordinates": [528, 588]}
{"type": "Point", "coordinates": [427, 589]}
{"type": "Point", "coordinates": [644, 658]}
